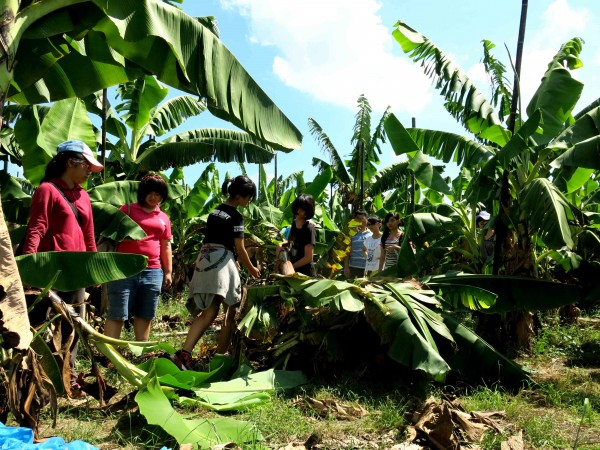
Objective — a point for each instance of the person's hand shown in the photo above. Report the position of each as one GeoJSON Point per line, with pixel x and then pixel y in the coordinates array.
{"type": "Point", "coordinates": [167, 281]}
{"type": "Point", "coordinates": [254, 271]}
{"type": "Point", "coordinates": [394, 247]}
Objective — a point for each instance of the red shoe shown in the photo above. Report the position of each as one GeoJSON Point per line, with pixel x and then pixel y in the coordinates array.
{"type": "Point", "coordinates": [183, 360]}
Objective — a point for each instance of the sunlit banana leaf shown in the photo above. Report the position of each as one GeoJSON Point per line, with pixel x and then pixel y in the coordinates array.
{"type": "Point", "coordinates": [157, 410]}
{"type": "Point", "coordinates": [220, 394]}
{"type": "Point", "coordinates": [463, 99]}
{"type": "Point", "coordinates": [548, 212]}
{"type": "Point", "coordinates": [559, 92]}
{"type": "Point", "coordinates": [118, 193]}
{"type": "Point", "coordinates": [205, 145]}
{"type": "Point", "coordinates": [517, 293]}
{"type": "Point", "coordinates": [78, 269]}
{"type": "Point", "coordinates": [463, 296]}
{"type": "Point", "coordinates": [112, 223]}
{"type": "Point", "coordinates": [120, 41]}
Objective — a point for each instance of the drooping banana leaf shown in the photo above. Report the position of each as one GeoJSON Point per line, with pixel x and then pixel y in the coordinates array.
{"type": "Point", "coordinates": [559, 92]}
{"type": "Point", "coordinates": [516, 293]}
{"type": "Point", "coordinates": [118, 193]}
{"type": "Point", "coordinates": [464, 100]}
{"type": "Point", "coordinates": [476, 360]}
{"type": "Point", "coordinates": [77, 269]}
{"type": "Point", "coordinates": [112, 223]}
{"type": "Point", "coordinates": [549, 212]}
{"type": "Point", "coordinates": [122, 40]}
{"type": "Point", "coordinates": [391, 321]}
{"type": "Point", "coordinates": [204, 145]}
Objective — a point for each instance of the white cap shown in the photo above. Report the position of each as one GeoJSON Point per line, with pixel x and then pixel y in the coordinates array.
{"type": "Point", "coordinates": [81, 147]}
{"type": "Point", "coordinates": [482, 215]}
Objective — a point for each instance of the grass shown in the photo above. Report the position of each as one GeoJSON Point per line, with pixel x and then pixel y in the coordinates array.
{"type": "Point", "coordinates": [550, 411]}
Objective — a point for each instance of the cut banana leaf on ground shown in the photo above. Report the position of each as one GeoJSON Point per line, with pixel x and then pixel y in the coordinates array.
{"type": "Point", "coordinates": [156, 408]}
{"type": "Point", "coordinates": [78, 269]}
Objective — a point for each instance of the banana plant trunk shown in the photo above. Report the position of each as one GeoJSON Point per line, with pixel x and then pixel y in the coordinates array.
{"type": "Point", "coordinates": [14, 321]}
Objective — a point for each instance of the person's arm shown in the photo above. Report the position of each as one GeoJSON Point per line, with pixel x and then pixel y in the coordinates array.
{"type": "Point", "coordinates": [307, 258]}
{"type": "Point", "coordinates": [166, 257]}
{"type": "Point", "coordinates": [382, 257]}
{"type": "Point", "coordinates": [243, 257]}
{"type": "Point", "coordinates": [364, 251]}
{"type": "Point", "coordinates": [41, 205]}
{"type": "Point", "coordinates": [88, 230]}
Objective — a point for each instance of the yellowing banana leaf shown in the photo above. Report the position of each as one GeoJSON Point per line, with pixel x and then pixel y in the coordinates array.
{"type": "Point", "coordinates": [78, 269]}
{"type": "Point", "coordinates": [157, 410]}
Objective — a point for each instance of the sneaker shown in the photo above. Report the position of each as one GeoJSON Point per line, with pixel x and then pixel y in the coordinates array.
{"type": "Point", "coordinates": [183, 360]}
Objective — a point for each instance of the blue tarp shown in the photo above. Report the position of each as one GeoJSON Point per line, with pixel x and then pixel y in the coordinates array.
{"type": "Point", "coordinates": [22, 438]}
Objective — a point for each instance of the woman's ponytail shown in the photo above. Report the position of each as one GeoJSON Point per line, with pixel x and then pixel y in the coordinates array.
{"type": "Point", "coordinates": [224, 186]}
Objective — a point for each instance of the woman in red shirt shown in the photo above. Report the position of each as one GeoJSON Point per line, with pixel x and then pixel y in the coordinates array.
{"type": "Point", "coordinates": [137, 296]}
{"type": "Point", "coordinates": [61, 215]}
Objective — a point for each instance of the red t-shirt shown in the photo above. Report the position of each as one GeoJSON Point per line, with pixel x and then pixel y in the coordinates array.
{"type": "Point", "coordinates": [53, 225]}
{"type": "Point", "coordinates": [157, 226]}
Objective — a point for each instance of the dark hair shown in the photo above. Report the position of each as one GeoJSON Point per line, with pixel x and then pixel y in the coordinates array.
{"type": "Point", "coordinates": [152, 183]}
{"type": "Point", "coordinates": [386, 232]}
{"type": "Point", "coordinates": [374, 219]}
{"type": "Point", "coordinates": [359, 212]}
{"type": "Point", "coordinates": [240, 185]}
{"type": "Point", "coordinates": [305, 202]}
{"type": "Point", "coordinates": [58, 165]}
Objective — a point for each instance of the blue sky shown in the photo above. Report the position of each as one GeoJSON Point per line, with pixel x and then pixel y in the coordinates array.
{"type": "Point", "coordinates": [315, 57]}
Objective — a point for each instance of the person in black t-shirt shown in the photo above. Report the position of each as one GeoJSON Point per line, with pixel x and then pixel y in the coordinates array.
{"type": "Point", "coordinates": [216, 278]}
{"type": "Point", "coordinates": [302, 238]}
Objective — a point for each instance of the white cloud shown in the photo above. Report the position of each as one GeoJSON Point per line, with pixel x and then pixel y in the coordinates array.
{"type": "Point", "coordinates": [560, 23]}
{"type": "Point", "coordinates": [335, 52]}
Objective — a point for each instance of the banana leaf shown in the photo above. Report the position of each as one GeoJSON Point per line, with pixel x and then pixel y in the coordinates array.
{"type": "Point", "coordinates": [515, 293]}
{"type": "Point", "coordinates": [156, 408]}
{"type": "Point", "coordinates": [110, 222]}
{"type": "Point", "coordinates": [77, 269]}
{"type": "Point", "coordinates": [476, 360]}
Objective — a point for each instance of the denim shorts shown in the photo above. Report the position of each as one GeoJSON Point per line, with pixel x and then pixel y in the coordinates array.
{"type": "Point", "coordinates": [136, 296]}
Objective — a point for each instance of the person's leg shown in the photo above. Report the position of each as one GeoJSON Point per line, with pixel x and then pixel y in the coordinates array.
{"type": "Point", "coordinates": [146, 302]}
{"type": "Point", "coordinates": [201, 324]}
{"type": "Point", "coordinates": [112, 328]}
{"type": "Point", "coordinates": [141, 328]}
{"type": "Point", "coordinates": [120, 293]}
{"type": "Point", "coordinates": [224, 340]}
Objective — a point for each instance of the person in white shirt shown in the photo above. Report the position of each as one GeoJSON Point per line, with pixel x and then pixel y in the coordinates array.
{"type": "Point", "coordinates": [372, 246]}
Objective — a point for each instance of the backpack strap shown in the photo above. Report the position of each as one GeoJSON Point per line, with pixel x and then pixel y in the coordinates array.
{"type": "Point", "coordinates": [73, 208]}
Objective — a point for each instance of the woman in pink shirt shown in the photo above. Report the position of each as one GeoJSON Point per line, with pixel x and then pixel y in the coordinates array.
{"type": "Point", "coordinates": [137, 296]}
{"type": "Point", "coordinates": [61, 215]}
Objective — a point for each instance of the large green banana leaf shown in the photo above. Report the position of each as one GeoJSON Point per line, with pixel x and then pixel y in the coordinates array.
{"type": "Point", "coordinates": [77, 269]}
{"type": "Point", "coordinates": [204, 145]}
{"type": "Point", "coordinates": [514, 293]}
{"type": "Point", "coordinates": [118, 193]}
{"type": "Point", "coordinates": [549, 212]}
{"type": "Point", "coordinates": [463, 99]}
{"type": "Point", "coordinates": [156, 408]}
{"type": "Point", "coordinates": [66, 119]}
{"type": "Point", "coordinates": [75, 50]}
{"type": "Point", "coordinates": [580, 142]}
{"type": "Point", "coordinates": [559, 92]}
{"type": "Point", "coordinates": [112, 223]}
